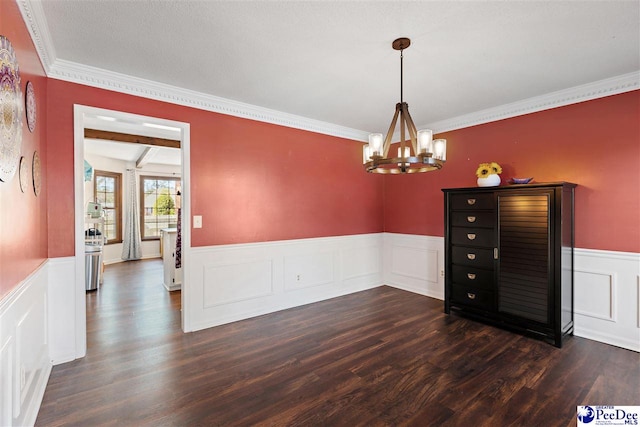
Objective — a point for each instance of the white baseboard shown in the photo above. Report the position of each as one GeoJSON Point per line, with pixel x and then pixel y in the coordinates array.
{"type": "Point", "coordinates": [24, 349]}
{"type": "Point", "coordinates": [119, 260]}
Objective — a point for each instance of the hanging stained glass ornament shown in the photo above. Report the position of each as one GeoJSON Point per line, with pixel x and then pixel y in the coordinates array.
{"type": "Point", "coordinates": [11, 108]}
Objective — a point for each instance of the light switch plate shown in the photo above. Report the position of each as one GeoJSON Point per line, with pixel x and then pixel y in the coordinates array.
{"type": "Point", "coordinates": [197, 221]}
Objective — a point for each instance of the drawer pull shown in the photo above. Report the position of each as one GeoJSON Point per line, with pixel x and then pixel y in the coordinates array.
{"type": "Point", "coordinates": [471, 256]}
{"type": "Point", "coordinates": [471, 296]}
{"type": "Point", "coordinates": [471, 236]}
{"type": "Point", "coordinates": [495, 253]}
{"type": "Point", "coordinates": [471, 201]}
{"type": "Point", "coordinates": [471, 219]}
{"type": "Point", "coordinates": [471, 276]}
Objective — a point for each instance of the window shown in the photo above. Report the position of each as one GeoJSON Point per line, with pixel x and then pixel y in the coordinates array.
{"type": "Point", "coordinates": [158, 205]}
{"type": "Point", "coordinates": [107, 191]}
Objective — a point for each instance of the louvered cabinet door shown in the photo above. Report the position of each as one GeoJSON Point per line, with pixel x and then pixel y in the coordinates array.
{"type": "Point", "coordinates": [525, 273]}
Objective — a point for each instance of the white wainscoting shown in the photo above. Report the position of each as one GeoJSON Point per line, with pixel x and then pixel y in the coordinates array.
{"type": "Point", "coordinates": [24, 350]}
{"type": "Point", "coordinates": [606, 285]}
{"type": "Point", "coordinates": [234, 282]}
{"type": "Point", "coordinates": [607, 297]}
{"type": "Point", "coordinates": [66, 328]}
{"type": "Point", "coordinates": [39, 319]}
{"type": "Point", "coordinates": [414, 263]}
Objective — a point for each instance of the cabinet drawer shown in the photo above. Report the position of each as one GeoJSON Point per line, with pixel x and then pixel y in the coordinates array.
{"type": "Point", "coordinates": [473, 236]}
{"type": "Point", "coordinates": [472, 201]}
{"type": "Point", "coordinates": [470, 276]}
{"type": "Point", "coordinates": [473, 297]}
{"type": "Point", "coordinates": [473, 219]}
{"type": "Point", "coordinates": [475, 257]}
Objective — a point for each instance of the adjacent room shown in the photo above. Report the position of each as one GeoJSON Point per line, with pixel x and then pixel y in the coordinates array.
{"type": "Point", "coordinates": [132, 196]}
{"type": "Point", "coordinates": [319, 213]}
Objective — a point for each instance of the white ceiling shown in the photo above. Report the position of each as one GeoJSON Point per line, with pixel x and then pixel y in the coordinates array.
{"type": "Point", "coordinates": [332, 61]}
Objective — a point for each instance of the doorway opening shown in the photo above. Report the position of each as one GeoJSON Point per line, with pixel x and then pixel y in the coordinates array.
{"type": "Point", "coordinates": [154, 162]}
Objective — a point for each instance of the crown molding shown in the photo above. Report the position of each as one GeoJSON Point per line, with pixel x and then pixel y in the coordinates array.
{"type": "Point", "coordinates": [34, 17]}
{"type": "Point", "coordinates": [109, 80]}
{"type": "Point", "coordinates": [607, 87]}
{"type": "Point", "coordinates": [91, 76]}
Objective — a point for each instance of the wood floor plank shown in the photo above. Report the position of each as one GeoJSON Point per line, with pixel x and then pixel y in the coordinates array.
{"type": "Point", "coordinates": [382, 357]}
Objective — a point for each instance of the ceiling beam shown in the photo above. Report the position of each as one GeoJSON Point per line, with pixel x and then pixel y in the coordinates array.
{"type": "Point", "coordinates": [126, 137]}
{"type": "Point", "coordinates": [145, 156]}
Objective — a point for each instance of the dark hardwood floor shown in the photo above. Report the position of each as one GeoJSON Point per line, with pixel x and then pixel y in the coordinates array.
{"type": "Point", "coordinates": [382, 357]}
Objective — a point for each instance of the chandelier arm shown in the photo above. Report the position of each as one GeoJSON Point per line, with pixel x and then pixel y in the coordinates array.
{"type": "Point", "coordinates": [403, 125]}
{"type": "Point", "coordinates": [392, 128]}
{"type": "Point", "coordinates": [412, 131]}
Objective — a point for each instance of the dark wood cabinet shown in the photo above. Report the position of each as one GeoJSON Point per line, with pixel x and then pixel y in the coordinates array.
{"type": "Point", "coordinates": [509, 256]}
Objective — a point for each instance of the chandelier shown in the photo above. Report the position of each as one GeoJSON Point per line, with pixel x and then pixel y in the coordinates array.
{"type": "Point", "coordinates": [421, 153]}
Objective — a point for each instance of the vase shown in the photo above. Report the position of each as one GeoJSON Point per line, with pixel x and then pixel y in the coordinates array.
{"type": "Point", "coordinates": [492, 180]}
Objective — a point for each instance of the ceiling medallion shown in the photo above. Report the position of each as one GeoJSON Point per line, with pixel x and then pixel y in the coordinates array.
{"type": "Point", "coordinates": [421, 153]}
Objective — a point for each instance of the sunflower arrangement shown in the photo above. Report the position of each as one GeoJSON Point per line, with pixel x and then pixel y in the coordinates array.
{"type": "Point", "coordinates": [486, 169]}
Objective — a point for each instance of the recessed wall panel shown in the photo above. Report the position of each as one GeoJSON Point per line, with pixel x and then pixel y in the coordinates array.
{"type": "Point", "coordinates": [6, 382]}
{"type": "Point", "coordinates": [595, 294]}
{"type": "Point", "coordinates": [303, 271]}
{"type": "Point", "coordinates": [224, 284]}
{"type": "Point", "coordinates": [416, 263]}
{"type": "Point", "coordinates": [362, 261]}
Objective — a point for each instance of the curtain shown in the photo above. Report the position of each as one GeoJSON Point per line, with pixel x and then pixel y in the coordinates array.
{"type": "Point", "coordinates": [131, 242]}
{"type": "Point", "coordinates": [179, 240]}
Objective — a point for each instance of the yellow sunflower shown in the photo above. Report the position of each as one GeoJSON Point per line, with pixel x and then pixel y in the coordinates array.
{"type": "Point", "coordinates": [486, 169]}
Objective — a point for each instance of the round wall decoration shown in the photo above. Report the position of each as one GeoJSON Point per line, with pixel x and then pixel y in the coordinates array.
{"type": "Point", "coordinates": [24, 174]}
{"type": "Point", "coordinates": [10, 111]}
{"type": "Point", "coordinates": [35, 169]}
{"type": "Point", "coordinates": [30, 105]}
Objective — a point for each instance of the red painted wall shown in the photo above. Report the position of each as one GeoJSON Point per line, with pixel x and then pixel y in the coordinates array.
{"type": "Point", "coordinates": [23, 221]}
{"type": "Point", "coordinates": [595, 144]}
{"type": "Point", "coordinates": [250, 181]}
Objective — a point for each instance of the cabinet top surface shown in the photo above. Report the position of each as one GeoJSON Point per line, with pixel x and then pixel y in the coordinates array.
{"type": "Point", "coordinates": [513, 186]}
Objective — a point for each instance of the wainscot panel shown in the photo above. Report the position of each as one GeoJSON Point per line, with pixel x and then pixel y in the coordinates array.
{"type": "Point", "coordinates": [64, 345]}
{"type": "Point", "coordinates": [307, 270]}
{"type": "Point", "coordinates": [235, 282]}
{"type": "Point", "coordinates": [607, 300]}
{"type": "Point", "coordinates": [414, 263]}
{"type": "Point", "coordinates": [24, 350]}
